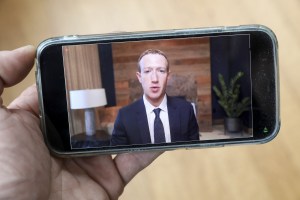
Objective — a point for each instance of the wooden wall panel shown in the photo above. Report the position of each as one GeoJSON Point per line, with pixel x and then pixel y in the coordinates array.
{"type": "Point", "coordinates": [82, 71]}
{"type": "Point", "coordinates": [82, 68]}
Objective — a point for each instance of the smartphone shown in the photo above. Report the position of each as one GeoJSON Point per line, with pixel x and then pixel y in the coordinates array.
{"type": "Point", "coordinates": [213, 86]}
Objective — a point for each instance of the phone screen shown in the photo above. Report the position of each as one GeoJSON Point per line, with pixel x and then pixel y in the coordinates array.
{"type": "Point", "coordinates": [208, 89]}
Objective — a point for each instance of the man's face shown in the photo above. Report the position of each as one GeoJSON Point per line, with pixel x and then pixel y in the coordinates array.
{"type": "Point", "coordinates": [153, 77]}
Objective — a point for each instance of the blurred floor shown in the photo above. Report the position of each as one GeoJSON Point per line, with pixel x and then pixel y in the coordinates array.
{"type": "Point", "coordinates": [269, 171]}
{"type": "Point", "coordinates": [218, 132]}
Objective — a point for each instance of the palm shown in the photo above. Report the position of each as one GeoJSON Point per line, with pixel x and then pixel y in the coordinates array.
{"type": "Point", "coordinates": [29, 161]}
{"type": "Point", "coordinates": [28, 171]}
{"type": "Point", "coordinates": [24, 157]}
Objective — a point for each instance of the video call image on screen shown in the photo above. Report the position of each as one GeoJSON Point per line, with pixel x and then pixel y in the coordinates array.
{"type": "Point", "coordinates": [202, 85]}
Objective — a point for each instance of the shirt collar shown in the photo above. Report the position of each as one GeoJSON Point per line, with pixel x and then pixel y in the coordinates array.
{"type": "Point", "coordinates": [149, 107]}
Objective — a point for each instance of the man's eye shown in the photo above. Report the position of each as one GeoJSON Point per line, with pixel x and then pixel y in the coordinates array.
{"type": "Point", "coordinates": [162, 71]}
{"type": "Point", "coordinates": [146, 71]}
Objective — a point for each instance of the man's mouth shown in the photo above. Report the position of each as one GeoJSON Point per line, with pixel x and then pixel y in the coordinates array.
{"type": "Point", "coordinates": [155, 89]}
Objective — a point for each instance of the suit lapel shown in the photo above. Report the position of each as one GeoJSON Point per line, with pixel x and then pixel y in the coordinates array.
{"type": "Point", "coordinates": [174, 120]}
{"type": "Point", "coordinates": [143, 122]}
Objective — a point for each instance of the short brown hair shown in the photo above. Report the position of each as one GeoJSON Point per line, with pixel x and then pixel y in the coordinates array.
{"type": "Point", "coordinates": [152, 51]}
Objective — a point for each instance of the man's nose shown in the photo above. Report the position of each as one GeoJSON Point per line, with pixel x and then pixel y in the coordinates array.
{"type": "Point", "coordinates": [154, 77]}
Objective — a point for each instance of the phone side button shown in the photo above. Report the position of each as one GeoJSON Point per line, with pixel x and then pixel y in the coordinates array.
{"type": "Point", "coordinates": [70, 36]}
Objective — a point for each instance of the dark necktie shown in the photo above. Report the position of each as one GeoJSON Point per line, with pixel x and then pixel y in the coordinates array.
{"type": "Point", "coordinates": [159, 133]}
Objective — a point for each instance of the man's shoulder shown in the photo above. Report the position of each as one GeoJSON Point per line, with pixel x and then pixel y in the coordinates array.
{"type": "Point", "coordinates": [132, 107]}
{"type": "Point", "coordinates": [177, 101]}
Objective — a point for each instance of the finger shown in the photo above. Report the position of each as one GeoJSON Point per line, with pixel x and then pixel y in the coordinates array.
{"type": "Point", "coordinates": [102, 169]}
{"type": "Point", "coordinates": [131, 164]}
{"type": "Point", "coordinates": [15, 65]}
{"type": "Point", "coordinates": [28, 100]}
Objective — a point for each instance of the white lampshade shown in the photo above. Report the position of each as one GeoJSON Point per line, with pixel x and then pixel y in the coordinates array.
{"type": "Point", "coordinates": [82, 99]}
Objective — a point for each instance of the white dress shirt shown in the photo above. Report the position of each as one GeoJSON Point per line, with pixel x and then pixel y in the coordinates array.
{"type": "Point", "coordinates": [164, 117]}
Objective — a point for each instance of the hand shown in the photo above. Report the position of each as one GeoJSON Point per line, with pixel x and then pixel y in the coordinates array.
{"type": "Point", "coordinates": [28, 171]}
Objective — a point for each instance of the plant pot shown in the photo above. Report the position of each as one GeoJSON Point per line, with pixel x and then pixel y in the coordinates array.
{"type": "Point", "coordinates": [233, 125]}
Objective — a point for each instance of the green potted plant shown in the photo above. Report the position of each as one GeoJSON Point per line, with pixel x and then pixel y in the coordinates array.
{"type": "Point", "coordinates": [229, 100]}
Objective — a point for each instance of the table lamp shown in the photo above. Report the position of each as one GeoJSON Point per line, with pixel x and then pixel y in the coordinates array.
{"type": "Point", "coordinates": [88, 100]}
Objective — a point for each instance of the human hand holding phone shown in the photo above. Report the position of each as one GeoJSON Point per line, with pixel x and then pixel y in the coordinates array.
{"type": "Point", "coordinates": [29, 171]}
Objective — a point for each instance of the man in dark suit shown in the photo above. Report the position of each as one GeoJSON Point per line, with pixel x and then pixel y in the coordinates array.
{"type": "Point", "coordinates": [156, 117]}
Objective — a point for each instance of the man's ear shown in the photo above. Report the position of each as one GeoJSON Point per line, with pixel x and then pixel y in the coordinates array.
{"type": "Point", "coordinates": [169, 75]}
{"type": "Point", "coordinates": [138, 75]}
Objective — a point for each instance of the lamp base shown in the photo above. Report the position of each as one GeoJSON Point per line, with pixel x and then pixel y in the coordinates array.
{"type": "Point", "coordinates": [90, 125]}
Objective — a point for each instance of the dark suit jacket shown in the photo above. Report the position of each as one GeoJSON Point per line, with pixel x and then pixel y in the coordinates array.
{"type": "Point", "coordinates": [131, 125]}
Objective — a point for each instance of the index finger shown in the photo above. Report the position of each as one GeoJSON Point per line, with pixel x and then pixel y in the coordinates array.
{"type": "Point", "coordinates": [15, 65]}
